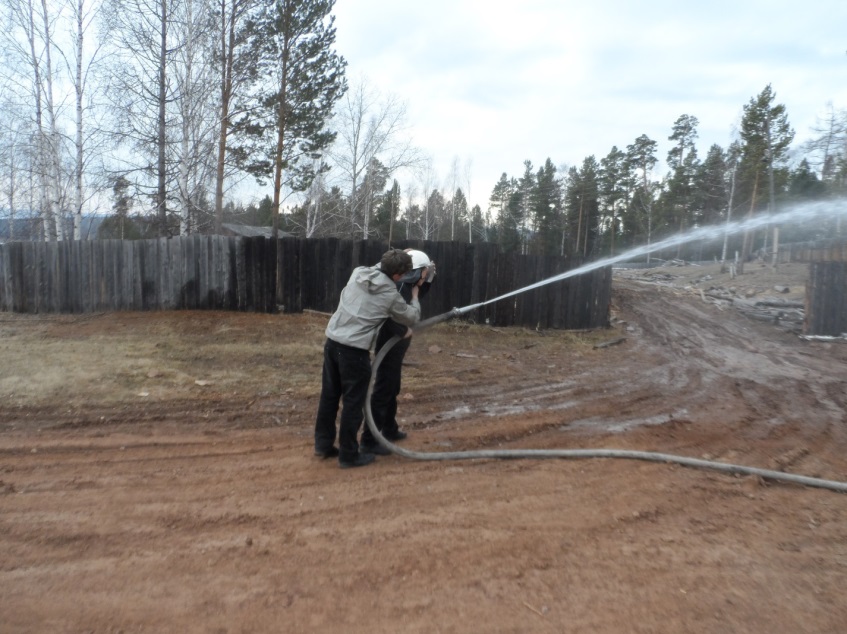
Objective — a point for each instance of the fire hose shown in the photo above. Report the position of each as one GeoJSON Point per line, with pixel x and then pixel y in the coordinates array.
{"type": "Point", "coordinates": [571, 454]}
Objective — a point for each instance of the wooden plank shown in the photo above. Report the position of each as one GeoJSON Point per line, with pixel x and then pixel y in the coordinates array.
{"type": "Point", "coordinates": [178, 280]}
{"type": "Point", "coordinates": [201, 273]}
{"type": "Point", "coordinates": [269, 269]}
{"type": "Point", "coordinates": [226, 272]}
{"type": "Point", "coordinates": [192, 265]}
{"type": "Point", "coordinates": [64, 275]}
{"type": "Point", "coordinates": [187, 291]}
{"type": "Point", "coordinates": [258, 244]}
{"type": "Point", "coordinates": [19, 297]}
{"type": "Point", "coordinates": [342, 268]}
{"type": "Point", "coordinates": [117, 274]}
{"type": "Point", "coordinates": [5, 284]}
{"type": "Point", "coordinates": [268, 275]}
{"type": "Point", "coordinates": [80, 284]}
{"type": "Point", "coordinates": [209, 291]}
{"type": "Point", "coordinates": [92, 271]}
{"type": "Point", "coordinates": [30, 285]}
{"type": "Point", "coordinates": [308, 275]}
{"type": "Point", "coordinates": [101, 303]}
{"type": "Point", "coordinates": [8, 268]}
{"type": "Point", "coordinates": [491, 287]}
{"type": "Point", "coordinates": [128, 275]}
{"type": "Point", "coordinates": [169, 277]}
{"type": "Point", "coordinates": [249, 268]}
{"type": "Point", "coordinates": [148, 263]}
{"type": "Point", "coordinates": [41, 263]}
{"type": "Point", "coordinates": [286, 272]}
{"type": "Point", "coordinates": [241, 272]}
{"type": "Point", "coordinates": [139, 251]}
{"type": "Point", "coordinates": [83, 285]}
{"type": "Point", "coordinates": [55, 278]}
{"type": "Point", "coordinates": [231, 273]}
{"type": "Point", "coordinates": [258, 274]}
{"type": "Point", "coordinates": [215, 267]}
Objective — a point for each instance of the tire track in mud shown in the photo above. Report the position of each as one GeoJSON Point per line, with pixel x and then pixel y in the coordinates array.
{"type": "Point", "coordinates": [681, 361]}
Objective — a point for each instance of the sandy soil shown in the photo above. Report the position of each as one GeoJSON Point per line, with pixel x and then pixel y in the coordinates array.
{"type": "Point", "coordinates": [156, 475]}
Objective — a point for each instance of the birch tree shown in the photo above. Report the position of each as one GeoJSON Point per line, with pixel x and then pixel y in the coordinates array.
{"type": "Point", "coordinates": [29, 49]}
{"type": "Point", "coordinates": [828, 147]}
{"type": "Point", "coordinates": [52, 140]}
{"type": "Point", "coordinates": [14, 150]}
{"type": "Point", "coordinates": [196, 109]}
{"type": "Point", "coordinates": [141, 90]}
{"type": "Point", "coordinates": [370, 126]}
{"type": "Point", "coordinates": [88, 141]}
{"type": "Point", "coordinates": [428, 221]}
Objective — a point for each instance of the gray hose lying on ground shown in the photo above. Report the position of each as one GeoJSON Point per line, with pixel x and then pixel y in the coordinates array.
{"type": "Point", "coordinates": [777, 476]}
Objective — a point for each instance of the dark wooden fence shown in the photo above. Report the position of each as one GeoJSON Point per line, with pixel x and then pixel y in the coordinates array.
{"type": "Point", "coordinates": [833, 250]}
{"type": "Point", "coordinates": [826, 299]}
{"type": "Point", "coordinates": [291, 274]}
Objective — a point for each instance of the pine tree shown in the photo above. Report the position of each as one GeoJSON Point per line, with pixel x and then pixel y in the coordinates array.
{"type": "Point", "coordinates": [387, 210]}
{"type": "Point", "coordinates": [547, 211]}
{"type": "Point", "coordinates": [522, 211]}
{"type": "Point", "coordinates": [614, 192]}
{"type": "Point", "coordinates": [236, 67]}
{"type": "Point", "coordinates": [710, 191]}
{"type": "Point", "coordinates": [300, 78]}
{"type": "Point", "coordinates": [458, 211]}
{"type": "Point", "coordinates": [804, 184]}
{"type": "Point", "coordinates": [641, 159]}
{"type": "Point", "coordinates": [499, 207]}
{"type": "Point", "coordinates": [582, 208]}
{"type": "Point", "coordinates": [435, 218]}
{"type": "Point", "coordinates": [675, 205]}
{"type": "Point", "coordinates": [765, 138]}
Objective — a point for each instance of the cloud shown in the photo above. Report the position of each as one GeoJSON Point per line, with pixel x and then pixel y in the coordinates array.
{"type": "Point", "coordinates": [501, 84]}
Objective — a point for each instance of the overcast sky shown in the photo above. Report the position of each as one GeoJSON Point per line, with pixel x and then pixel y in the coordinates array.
{"type": "Point", "coordinates": [499, 83]}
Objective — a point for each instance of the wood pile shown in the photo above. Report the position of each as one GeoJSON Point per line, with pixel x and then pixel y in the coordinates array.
{"type": "Point", "coordinates": [789, 315]}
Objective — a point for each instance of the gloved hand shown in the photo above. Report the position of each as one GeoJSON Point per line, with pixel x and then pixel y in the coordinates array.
{"type": "Point", "coordinates": [430, 272]}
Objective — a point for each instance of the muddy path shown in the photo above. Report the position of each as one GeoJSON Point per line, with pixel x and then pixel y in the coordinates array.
{"type": "Point", "coordinates": [147, 487]}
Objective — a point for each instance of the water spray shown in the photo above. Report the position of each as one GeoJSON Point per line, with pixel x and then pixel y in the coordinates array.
{"type": "Point", "coordinates": [800, 213]}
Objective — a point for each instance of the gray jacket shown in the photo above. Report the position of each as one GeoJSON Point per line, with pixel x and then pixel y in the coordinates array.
{"type": "Point", "coordinates": [369, 298]}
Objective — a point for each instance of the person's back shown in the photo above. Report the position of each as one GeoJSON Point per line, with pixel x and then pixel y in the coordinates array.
{"type": "Point", "coordinates": [369, 298]}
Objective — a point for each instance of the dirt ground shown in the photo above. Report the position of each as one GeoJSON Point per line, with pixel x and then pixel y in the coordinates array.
{"type": "Point", "coordinates": [157, 475]}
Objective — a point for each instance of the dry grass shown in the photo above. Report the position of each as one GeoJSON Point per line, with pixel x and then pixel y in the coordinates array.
{"type": "Point", "coordinates": [121, 357]}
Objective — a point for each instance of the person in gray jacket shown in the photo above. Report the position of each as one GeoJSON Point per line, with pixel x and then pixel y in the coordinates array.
{"type": "Point", "coordinates": [369, 298]}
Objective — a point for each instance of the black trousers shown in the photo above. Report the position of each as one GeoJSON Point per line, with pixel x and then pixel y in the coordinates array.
{"type": "Point", "coordinates": [345, 378]}
{"type": "Point", "coordinates": [386, 387]}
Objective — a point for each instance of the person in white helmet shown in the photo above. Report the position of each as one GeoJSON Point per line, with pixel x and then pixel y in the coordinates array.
{"type": "Point", "coordinates": [388, 377]}
{"type": "Point", "coordinates": [368, 299]}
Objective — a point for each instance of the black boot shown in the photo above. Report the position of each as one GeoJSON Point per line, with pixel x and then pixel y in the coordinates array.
{"type": "Point", "coordinates": [359, 460]}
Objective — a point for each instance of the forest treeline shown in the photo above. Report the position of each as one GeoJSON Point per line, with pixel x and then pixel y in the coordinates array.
{"type": "Point", "coordinates": [157, 112]}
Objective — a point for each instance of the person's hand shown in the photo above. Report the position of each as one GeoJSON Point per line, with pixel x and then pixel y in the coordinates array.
{"type": "Point", "coordinates": [408, 334]}
{"type": "Point", "coordinates": [415, 290]}
{"type": "Point", "coordinates": [424, 273]}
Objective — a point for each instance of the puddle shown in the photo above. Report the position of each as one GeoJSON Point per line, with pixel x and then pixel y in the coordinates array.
{"type": "Point", "coordinates": [616, 427]}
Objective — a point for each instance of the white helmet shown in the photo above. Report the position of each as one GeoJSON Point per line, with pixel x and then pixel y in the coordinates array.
{"type": "Point", "coordinates": [420, 261]}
